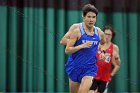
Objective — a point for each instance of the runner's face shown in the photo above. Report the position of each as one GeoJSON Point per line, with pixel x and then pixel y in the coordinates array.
{"type": "Point", "coordinates": [108, 35]}
{"type": "Point", "coordinates": [90, 19]}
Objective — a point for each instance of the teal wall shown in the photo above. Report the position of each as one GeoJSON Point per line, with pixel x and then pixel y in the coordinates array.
{"type": "Point", "coordinates": [33, 60]}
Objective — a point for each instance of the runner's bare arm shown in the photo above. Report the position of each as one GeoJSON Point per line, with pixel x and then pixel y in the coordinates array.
{"type": "Point", "coordinates": [115, 60]}
{"type": "Point", "coordinates": [70, 48]}
{"type": "Point", "coordinates": [102, 39]}
{"type": "Point", "coordinates": [66, 37]}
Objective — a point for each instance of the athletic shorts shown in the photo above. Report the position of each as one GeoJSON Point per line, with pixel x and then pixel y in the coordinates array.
{"type": "Point", "coordinates": [76, 74]}
{"type": "Point", "coordinates": [99, 85]}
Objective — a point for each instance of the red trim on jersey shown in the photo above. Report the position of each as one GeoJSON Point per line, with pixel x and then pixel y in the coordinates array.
{"type": "Point", "coordinates": [104, 66]}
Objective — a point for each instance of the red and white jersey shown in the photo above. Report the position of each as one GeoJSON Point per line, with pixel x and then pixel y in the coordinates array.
{"type": "Point", "coordinates": [104, 66]}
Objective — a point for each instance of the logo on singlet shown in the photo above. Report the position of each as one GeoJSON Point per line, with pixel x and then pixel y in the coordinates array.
{"type": "Point", "coordinates": [94, 42]}
{"type": "Point", "coordinates": [107, 57]}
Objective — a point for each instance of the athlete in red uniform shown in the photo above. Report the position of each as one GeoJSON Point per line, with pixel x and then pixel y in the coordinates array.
{"type": "Point", "coordinates": [104, 73]}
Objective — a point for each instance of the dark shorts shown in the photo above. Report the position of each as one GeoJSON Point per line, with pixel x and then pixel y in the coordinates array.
{"type": "Point", "coordinates": [99, 84]}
